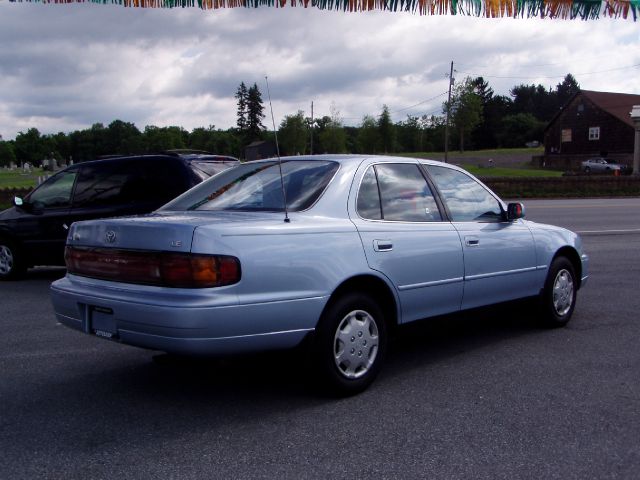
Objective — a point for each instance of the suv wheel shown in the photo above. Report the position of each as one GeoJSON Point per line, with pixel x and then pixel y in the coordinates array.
{"type": "Point", "coordinates": [11, 265]}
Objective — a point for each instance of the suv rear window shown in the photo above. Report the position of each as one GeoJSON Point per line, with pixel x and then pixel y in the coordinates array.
{"type": "Point", "coordinates": [257, 187]}
{"type": "Point", "coordinates": [133, 181]}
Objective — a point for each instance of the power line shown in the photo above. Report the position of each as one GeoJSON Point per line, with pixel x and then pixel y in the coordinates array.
{"type": "Point", "coordinates": [540, 64]}
{"type": "Point", "coordinates": [553, 76]}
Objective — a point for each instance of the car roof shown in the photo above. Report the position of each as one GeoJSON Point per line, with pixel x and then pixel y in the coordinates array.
{"type": "Point", "coordinates": [351, 159]}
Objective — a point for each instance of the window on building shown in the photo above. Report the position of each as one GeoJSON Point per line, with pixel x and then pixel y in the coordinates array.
{"type": "Point", "coordinates": [566, 135]}
{"type": "Point", "coordinates": [594, 133]}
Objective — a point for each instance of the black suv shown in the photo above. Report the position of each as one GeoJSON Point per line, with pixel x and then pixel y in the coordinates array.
{"type": "Point", "coordinates": [34, 230]}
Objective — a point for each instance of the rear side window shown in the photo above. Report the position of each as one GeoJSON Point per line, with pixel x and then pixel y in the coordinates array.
{"type": "Point", "coordinates": [396, 192]}
{"type": "Point", "coordinates": [467, 200]}
{"type": "Point", "coordinates": [125, 182]}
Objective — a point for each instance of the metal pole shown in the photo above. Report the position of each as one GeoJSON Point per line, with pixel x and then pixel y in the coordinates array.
{"type": "Point", "coordinates": [311, 149]}
{"type": "Point", "coordinates": [446, 128]}
{"type": "Point", "coordinates": [635, 116]}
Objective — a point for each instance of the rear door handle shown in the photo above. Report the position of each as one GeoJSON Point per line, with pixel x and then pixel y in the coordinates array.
{"type": "Point", "coordinates": [382, 245]}
{"type": "Point", "coordinates": [472, 241]}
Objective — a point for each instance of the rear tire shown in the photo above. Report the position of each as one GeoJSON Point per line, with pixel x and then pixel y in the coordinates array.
{"type": "Point", "coordinates": [11, 263]}
{"type": "Point", "coordinates": [350, 344]}
{"type": "Point", "coordinates": [558, 298]}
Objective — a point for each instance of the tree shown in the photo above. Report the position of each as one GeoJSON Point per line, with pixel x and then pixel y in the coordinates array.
{"type": "Point", "coordinates": [465, 109]}
{"type": "Point", "coordinates": [566, 89]}
{"type": "Point", "coordinates": [520, 128]}
{"type": "Point", "coordinates": [255, 113]}
{"type": "Point", "coordinates": [242, 97]}
{"type": "Point", "coordinates": [122, 137]}
{"type": "Point", "coordinates": [292, 134]}
{"type": "Point", "coordinates": [158, 139]}
{"type": "Point", "coordinates": [332, 136]}
{"type": "Point", "coordinates": [368, 136]}
{"type": "Point", "coordinates": [31, 147]}
{"type": "Point", "coordinates": [387, 131]}
{"type": "Point", "coordinates": [7, 155]}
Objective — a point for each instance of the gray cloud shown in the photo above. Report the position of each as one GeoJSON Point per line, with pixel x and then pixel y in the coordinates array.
{"type": "Point", "coordinates": [64, 67]}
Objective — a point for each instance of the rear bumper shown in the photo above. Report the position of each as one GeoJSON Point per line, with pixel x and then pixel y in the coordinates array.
{"type": "Point", "coordinates": [184, 326]}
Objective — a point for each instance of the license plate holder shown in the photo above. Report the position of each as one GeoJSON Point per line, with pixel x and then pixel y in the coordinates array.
{"type": "Point", "coordinates": [103, 322]}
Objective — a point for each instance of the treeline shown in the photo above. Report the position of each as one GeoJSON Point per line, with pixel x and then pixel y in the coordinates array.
{"type": "Point", "coordinates": [478, 119]}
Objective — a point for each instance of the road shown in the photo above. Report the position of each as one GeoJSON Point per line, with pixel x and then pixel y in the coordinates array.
{"type": "Point", "coordinates": [485, 394]}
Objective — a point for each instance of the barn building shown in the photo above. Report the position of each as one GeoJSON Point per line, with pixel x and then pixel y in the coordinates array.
{"type": "Point", "coordinates": [591, 124]}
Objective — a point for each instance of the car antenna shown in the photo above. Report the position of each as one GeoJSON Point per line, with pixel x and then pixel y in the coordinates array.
{"type": "Point", "coordinates": [275, 133]}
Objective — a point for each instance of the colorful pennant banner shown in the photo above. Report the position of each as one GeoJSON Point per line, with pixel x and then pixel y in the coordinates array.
{"type": "Point", "coordinates": [563, 9]}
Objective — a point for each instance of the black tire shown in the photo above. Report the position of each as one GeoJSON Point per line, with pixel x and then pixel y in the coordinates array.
{"type": "Point", "coordinates": [587, 170]}
{"type": "Point", "coordinates": [558, 298]}
{"type": "Point", "coordinates": [11, 262]}
{"type": "Point", "coordinates": [350, 344]}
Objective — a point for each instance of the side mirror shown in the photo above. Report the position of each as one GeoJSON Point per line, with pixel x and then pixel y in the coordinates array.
{"type": "Point", "coordinates": [515, 211]}
{"type": "Point", "coordinates": [18, 201]}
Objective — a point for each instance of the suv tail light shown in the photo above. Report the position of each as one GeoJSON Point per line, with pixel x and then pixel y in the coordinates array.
{"type": "Point", "coordinates": [167, 269]}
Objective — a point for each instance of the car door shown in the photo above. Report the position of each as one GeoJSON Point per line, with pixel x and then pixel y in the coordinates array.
{"type": "Point", "coordinates": [405, 238]}
{"type": "Point", "coordinates": [42, 227]}
{"type": "Point", "coordinates": [499, 255]}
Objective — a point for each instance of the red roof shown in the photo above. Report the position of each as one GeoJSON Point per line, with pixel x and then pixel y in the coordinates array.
{"type": "Point", "coordinates": [617, 104]}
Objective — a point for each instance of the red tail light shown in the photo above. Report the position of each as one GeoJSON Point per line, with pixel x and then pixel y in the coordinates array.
{"type": "Point", "coordinates": [181, 270]}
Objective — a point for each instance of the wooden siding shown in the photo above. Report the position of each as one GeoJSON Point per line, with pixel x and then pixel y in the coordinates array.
{"type": "Point", "coordinates": [579, 115]}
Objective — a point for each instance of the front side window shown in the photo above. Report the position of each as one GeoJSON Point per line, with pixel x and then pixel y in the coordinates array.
{"type": "Point", "coordinates": [396, 192]}
{"type": "Point", "coordinates": [55, 192]}
{"type": "Point", "coordinates": [467, 200]}
{"type": "Point", "coordinates": [258, 187]}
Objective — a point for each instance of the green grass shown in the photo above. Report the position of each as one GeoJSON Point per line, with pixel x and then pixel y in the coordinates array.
{"type": "Point", "coordinates": [475, 153]}
{"type": "Point", "coordinates": [19, 179]}
{"type": "Point", "coordinates": [510, 172]}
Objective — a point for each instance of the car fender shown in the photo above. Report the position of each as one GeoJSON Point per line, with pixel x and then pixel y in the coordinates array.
{"type": "Point", "coordinates": [550, 241]}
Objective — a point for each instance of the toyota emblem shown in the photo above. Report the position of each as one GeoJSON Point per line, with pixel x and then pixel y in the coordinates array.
{"type": "Point", "coordinates": [110, 236]}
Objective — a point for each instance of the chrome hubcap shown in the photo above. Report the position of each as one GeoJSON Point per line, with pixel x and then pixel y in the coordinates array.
{"type": "Point", "coordinates": [6, 260]}
{"type": "Point", "coordinates": [563, 292]}
{"type": "Point", "coordinates": [356, 344]}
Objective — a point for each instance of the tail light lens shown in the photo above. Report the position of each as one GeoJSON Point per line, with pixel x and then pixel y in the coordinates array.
{"type": "Point", "coordinates": [168, 269]}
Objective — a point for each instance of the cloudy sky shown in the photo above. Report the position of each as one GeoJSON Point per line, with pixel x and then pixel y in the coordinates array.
{"type": "Point", "coordinates": [65, 67]}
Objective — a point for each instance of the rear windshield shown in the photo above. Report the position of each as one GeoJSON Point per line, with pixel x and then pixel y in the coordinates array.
{"type": "Point", "coordinates": [258, 187]}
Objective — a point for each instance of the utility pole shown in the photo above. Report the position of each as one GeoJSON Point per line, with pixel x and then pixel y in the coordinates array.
{"type": "Point", "coordinates": [311, 149]}
{"type": "Point", "coordinates": [446, 128]}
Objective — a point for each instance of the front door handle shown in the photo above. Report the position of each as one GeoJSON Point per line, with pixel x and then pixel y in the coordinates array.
{"type": "Point", "coordinates": [382, 245]}
{"type": "Point", "coordinates": [472, 241]}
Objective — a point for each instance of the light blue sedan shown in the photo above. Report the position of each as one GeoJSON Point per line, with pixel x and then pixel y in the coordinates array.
{"type": "Point", "coordinates": [361, 244]}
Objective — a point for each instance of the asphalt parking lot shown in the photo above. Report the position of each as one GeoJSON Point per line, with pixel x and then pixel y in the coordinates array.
{"type": "Point", "coordinates": [485, 394]}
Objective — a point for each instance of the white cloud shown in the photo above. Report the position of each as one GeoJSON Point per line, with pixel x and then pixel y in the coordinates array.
{"type": "Point", "coordinates": [64, 67]}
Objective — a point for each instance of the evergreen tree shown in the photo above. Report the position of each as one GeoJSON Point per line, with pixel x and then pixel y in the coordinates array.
{"type": "Point", "coordinates": [242, 97]}
{"type": "Point", "coordinates": [386, 130]}
{"type": "Point", "coordinates": [255, 113]}
{"type": "Point", "coordinates": [566, 89]}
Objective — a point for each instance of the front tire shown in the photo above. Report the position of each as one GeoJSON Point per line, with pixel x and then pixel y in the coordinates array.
{"type": "Point", "coordinates": [11, 265]}
{"type": "Point", "coordinates": [351, 344]}
{"type": "Point", "coordinates": [558, 298]}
